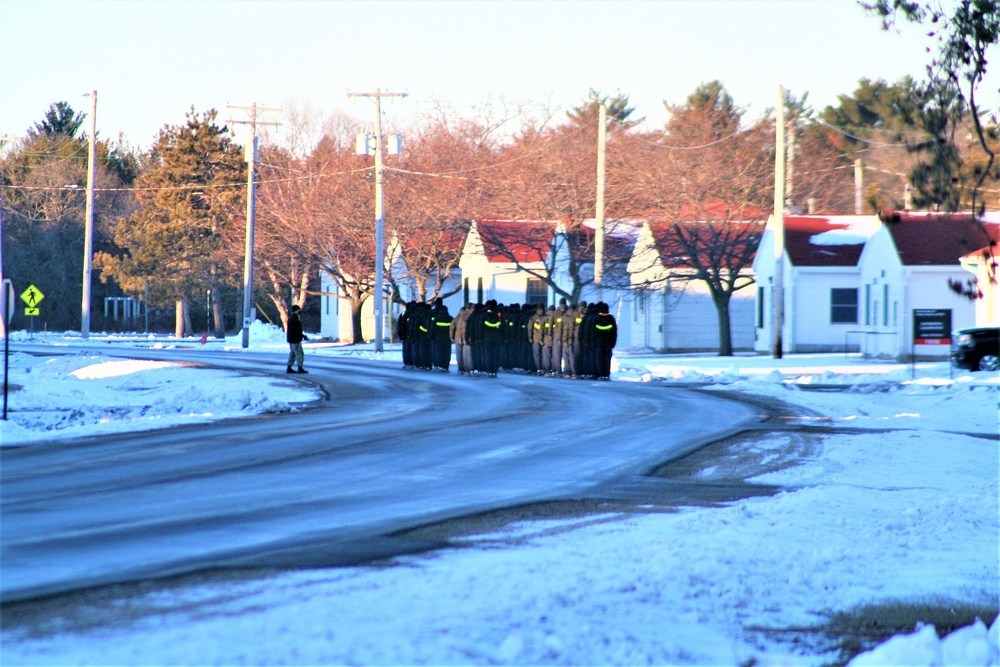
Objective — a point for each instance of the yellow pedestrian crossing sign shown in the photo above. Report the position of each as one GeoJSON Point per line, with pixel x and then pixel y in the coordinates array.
{"type": "Point", "coordinates": [32, 296]}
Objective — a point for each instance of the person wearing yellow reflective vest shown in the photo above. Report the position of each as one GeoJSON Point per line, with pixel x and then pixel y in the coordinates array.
{"type": "Point", "coordinates": [440, 333]}
{"type": "Point", "coordinates": [560, 321]}
{"type": "Point", "coordinates": [605, 336]}
{"type": "Point", "coordinates": [422, 338]}
{"type": "Point", "coordinates": [491, 338]}
{"type": "Point", "coordinates": [536, 334]}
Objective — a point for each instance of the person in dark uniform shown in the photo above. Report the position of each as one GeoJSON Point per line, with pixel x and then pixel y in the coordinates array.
{"type": "Point", "coordinates": [491, 336]}
{"type": "Point", "coordinates": [403, 332]}
{"type": "Point", "coordinates": [588, 366]}
{"type": "Point", "coordinates": [605, 338]}
{"type": "Point", "coordinates": [425, 344]}
{"type": "Point", "coordinates": [294, 336]}
{"type": "Point", "coordinates": [580, 315]}
{"type": "Point", "coordinates": [440, 336]}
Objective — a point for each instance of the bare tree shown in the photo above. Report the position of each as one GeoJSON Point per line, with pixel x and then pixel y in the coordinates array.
{"type": "Point", "coordinates": [708, 181]}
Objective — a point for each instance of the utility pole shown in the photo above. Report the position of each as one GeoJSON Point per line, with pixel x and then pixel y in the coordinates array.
{"type": "Point", "coordinates": [778, 297]}
{"type": "Point", "coordinates": [602, 141]}
{"type": "Point", "coordinates": [790, 168]}
{"type": "Point", "coordinates": [250, 155]}
{"type": "Point", "coordinates": [379, 207]}
{"type": "Point", "coordinates": [3, 315]}
{"type": "Point", "coordinates": [859, 187]}
{"type": "Point", "coordinates": [88, 230]}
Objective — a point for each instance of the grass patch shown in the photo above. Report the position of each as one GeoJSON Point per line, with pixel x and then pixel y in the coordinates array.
{"type": "Point", "coordinates": [865, 627]}
{"type": "Point", "coordinates": [849, 633]}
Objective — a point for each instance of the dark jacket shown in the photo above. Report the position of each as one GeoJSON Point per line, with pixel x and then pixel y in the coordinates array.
{"type": "Point", "coordinates": [440, 323]}
{"type": "Point", "coordinates": [294, 332]}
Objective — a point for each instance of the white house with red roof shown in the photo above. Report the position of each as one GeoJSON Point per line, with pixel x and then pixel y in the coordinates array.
{"type": "Point", "coordinates": [852, 283]}
{"type": "Point", "coordinates": [669, 310]}
{"type": "Point", "coordinates": [907, 267]}
{"type": "Point", "coordinates": [821, 283]}
{"type": "Point", "coordinates": [507, 261]}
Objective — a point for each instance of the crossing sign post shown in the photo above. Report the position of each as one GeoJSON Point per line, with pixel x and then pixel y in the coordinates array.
{"type": "Point", "coordinates": [32, 296]}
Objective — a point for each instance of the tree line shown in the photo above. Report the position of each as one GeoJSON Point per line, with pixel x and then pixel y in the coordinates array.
{"type": "Point", "coordinates": [170, 222]}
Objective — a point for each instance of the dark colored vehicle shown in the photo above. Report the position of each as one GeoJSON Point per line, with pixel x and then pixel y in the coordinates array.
{"type": "Point", "coordinates": [976, 348]}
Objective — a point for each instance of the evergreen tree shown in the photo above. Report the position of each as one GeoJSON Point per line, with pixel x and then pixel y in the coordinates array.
{"type": "Point", "coordinates": [59, 119]}
{"type": "Point", "coordinates": [617, 109]}
{"type": "Point", "coordinates": [186, 201]}
{"type": "Point", "coordinates": [44, 177]}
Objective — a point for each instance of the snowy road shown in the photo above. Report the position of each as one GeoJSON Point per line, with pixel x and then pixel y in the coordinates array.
{"type": "Point", "coordinates": [388, 450]}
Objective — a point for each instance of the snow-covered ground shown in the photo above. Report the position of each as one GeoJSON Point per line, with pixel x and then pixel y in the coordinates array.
{"type": "Point", "coordinates": [909, 512]}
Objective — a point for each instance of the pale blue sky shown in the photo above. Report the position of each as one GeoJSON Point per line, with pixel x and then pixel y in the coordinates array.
{"type": "Point", "coordinates": [150, 60]}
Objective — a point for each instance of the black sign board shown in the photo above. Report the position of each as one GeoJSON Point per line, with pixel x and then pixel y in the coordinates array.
{"type": "Point", "coordinates": [932, 326]}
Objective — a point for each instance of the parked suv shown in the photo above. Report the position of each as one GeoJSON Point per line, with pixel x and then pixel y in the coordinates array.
{"type": "Point", "coordinates": [976, 348]}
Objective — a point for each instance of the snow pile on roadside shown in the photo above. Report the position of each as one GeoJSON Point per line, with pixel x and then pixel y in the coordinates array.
{"type": "Point", "coordinates": [77, 395]}
{"type": "Point", "coordinates": [968, 646]}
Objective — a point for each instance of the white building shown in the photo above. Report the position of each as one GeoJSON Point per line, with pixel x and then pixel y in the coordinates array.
{"type": "Point", "coordinates": [507, 261]}
{"type": "Point", "coordinates": [852, 283]}
{"type": "Point", "coordinates": [667, 311]}
{"type": "Point", "coordinates": [907, 266]}
{"type": "Point", "coordinates": [821, 283]}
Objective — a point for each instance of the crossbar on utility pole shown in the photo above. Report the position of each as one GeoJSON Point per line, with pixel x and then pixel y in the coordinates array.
{"type": "Point", "coordinates": [379, 209]}
{"type": "Point", "coordinates": [250, 154]}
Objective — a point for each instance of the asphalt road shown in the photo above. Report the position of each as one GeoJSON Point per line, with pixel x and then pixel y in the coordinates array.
{"type": "Point", "coordinates": [389, 450]}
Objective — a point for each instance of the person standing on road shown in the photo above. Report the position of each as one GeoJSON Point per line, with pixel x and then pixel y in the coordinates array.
{"type": "Point", "coordinates": [604, 340]}
{"type": "Point", "coordinates": [536, 334]}
{"type": "Point", "coordinates": [403, 332]}
{"type": "Point", "coordinates": [491, 336]}
{"type": "Point", "coordinates": [560, 321]}
{"type": "Point", "coordinates": [457, 334]}
{"type": "Point", "coordinates": [294, 336]}
{"type": "Point", "coordinates": [441, 321]}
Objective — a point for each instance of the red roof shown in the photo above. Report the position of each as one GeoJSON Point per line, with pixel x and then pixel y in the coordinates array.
{"type": "Point", "coordinates": [726, 244]}
{"type": "Point", "coordinates": [827, 241]}
{"type": "Point", "coordinates": [424, 239]}
{"type": "Point", "coordinates": [521, 241]}
{"type": "Point", "coordinates": [938, 239]}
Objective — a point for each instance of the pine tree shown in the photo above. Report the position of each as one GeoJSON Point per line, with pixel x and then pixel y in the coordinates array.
{"type": "Point", "coordinates": [186, 200]}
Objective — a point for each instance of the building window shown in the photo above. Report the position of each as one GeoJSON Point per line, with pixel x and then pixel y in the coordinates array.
{"type": "Point", "coordinates": [843, 306]}
{"type": "Point", "coordinates": [760, 307]}
{"type": "Point", "coordinates": [537, 292]}
{"type": "Point", "coordinates": [868, 304]}
{"type": "Point", "coordinates": [885, 305]}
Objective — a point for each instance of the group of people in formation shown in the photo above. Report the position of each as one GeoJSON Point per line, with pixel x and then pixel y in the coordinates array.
{"type": "Point", "coordinates": [571, 341]}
